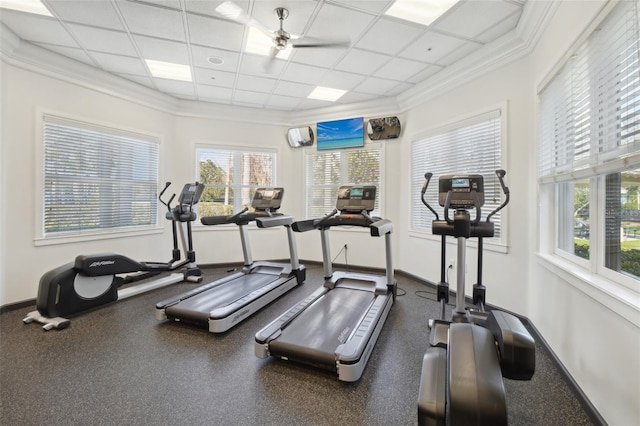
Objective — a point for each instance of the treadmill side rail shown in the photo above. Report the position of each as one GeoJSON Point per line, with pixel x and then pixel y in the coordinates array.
{"type": "Point", "coordinates": [362, 342]}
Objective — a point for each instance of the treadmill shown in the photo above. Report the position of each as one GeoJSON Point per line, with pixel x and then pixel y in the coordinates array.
{"type": "Point", "coordinates": [337, 326]}
{"type": "Point", "coordinates": [222, 304]}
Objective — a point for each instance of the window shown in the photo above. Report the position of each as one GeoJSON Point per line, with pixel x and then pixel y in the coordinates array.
{"type": "Point", "coordinates": [97, 179]}
{"type": "Point", "coordinates": [589, 149]}
{"type": "Point", "coordinates": [472, 146]}
{"type": "Point", "coordinates": [326, 171]}
{"type": "Point", "coordinates": [231, 177]}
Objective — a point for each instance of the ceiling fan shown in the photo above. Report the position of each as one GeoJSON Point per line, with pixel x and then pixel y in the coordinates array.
{"type": "Point", "coordinates": [281, 38]}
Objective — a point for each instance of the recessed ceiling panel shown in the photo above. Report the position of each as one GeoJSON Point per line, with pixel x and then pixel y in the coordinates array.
{"type": "Point", "coordinates": [120, 64]}
{"type": "Point", "coordinates": [95, 13]}
{"type": "Point", "coordinates": [400, 69]}
{"type": "Point", "coordinates": [340, 23]}
{"type": "Point", "coordinates": [215, 32]}
{"type": "Point", "coordinates": [162, 50]}
{"type": "Point", "coordinates": [474, 17]}
{"type": "Point", "coordinates": [431, 47]}
{"type": "Point", "coordinates": [388, 37]}
{"type": "Point", "coordinates": [103, 40]}
{"type": "Point", "coordinates": [153, 21]}
{"type": "Point", "coordinates": [362, 61]}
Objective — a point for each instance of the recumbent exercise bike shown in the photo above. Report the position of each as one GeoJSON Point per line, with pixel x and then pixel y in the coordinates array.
{"type": "Point", "coordinates": [94, 280]}
{"type": "Point", "coordinates": [461, 380]}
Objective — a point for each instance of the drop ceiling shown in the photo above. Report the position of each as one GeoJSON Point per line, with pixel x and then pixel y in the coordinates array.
{"type": "Point", "coordinates": [385, 56]}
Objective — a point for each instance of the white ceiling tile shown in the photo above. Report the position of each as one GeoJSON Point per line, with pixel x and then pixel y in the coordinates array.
{"type": "Point", "coordinates": [362, 62]}
{"type": "Point", "coordinates": [431, 47]}
{"type": "Point", "coordinates": [162, 50]}
{"type": "Point", "coordinates": [120, 64]}
{"type": "Point", "coordinates": [400, 69]}
{"type": "Point", "coordinates": [388, 37]}
{"type": "Point", "coordinates": [339, 22]}
{"type": "Point", "coordinates": [200, 56]}
{"type": "Point", "coordinates": [284, 102]}
{"type": "Point", "coordinates": [474, 17]}
{"type": "Point", "coordinates": [37, 28]}
{"type": "Point", "coordinates": [214, 77]}
{"type": "Point", "coordinates": [324, 57]}
{"type": "Point", "coordinates": [255, 84]}
{"type": "Point", "coordinates": [351, 97]}
{"type": "Point", "coordinates": [216, 94]}
{"type": "Point", "coordinates": [103, 40]}
{"type": "Point", "coordinates": [341, 80]}
{"type": "Point", "coordinates": [376, 86]}
{"type": "Point", "coordinates": [215, 32]}
{"type": "Point", "coordinates": [374, 6]}
{"type": "Point", "coordinates": [175, 87]}
{"type": "Point", "coordinates": [151, 20]}
{"type": "Point", "coordinates": [304, 73]}
{"type": "Point", "coordinates": [94, 13]}
{"type": "Point", "coordinates": [247, 97]}
{"type": "Point", "coordinates": [261, 66]}
{"type": "Point", "coordinates": [401, 87]}
{"type": "Point", "coordinates": [288, 88]}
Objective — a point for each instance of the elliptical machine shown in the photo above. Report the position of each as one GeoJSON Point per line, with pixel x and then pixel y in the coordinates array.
{"type": "Point", "coordinates": [461, 381]}
{"type": "Point", "coordinates": [94, 280]}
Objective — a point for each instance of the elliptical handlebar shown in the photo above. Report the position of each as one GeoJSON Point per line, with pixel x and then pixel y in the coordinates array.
{"type": "Point", "coordinates": [427, 177]}
{"type": "Point", "coordinates": [505, 189]}
{"type": "Point", "coordinates": [167, 204]}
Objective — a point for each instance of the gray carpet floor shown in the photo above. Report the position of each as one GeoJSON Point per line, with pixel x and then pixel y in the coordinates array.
{"type": "Point", "coordinates": [118, 365]}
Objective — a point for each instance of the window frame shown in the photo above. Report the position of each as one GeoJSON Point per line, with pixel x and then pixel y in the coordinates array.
{"type": "Point", "coordinates": [621, 292]}
{"type": "Point", "coordinates": [241, 149]}
{"type": "Point", "coordinates": [501, 244]}
{"type": "Point", "coordinates": [40, 239]}
{"type": "Point", "coordinates": [380, 194]}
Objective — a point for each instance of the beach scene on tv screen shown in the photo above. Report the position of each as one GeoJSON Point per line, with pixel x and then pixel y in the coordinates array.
{"type": "Point", "coordinates": [337, 134]}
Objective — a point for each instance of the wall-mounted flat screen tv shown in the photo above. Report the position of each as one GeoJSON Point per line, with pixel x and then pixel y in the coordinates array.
{"type": "Point", "coordinates": [348, 133]}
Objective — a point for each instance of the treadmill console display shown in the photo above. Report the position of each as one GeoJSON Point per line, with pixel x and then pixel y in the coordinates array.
{"type": "Point", "coordinates": [267, 198]}
{"type": "Point", "coordinates": [356, 198]}
{"type": "Point", "coordinates": [461, 188]}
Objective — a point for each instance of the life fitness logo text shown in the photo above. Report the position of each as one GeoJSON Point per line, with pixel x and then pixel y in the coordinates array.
{"type": "Point", "coordinates": [102, 263]}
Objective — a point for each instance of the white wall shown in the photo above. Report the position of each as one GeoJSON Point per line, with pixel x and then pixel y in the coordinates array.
{"type": "Point", "coordinates": [594, 333]}
{"type": "Point", "coordinates": [24, 93]}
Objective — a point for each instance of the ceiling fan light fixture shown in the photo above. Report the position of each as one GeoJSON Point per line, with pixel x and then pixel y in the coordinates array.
{"type": "Point", "coordinates": [326, 94]}
{"type": "Point", "coordinates": [29, 6]}
{"type": "Point", "coordinates": [423, 12]}
{"type": "Point", "coordinates": [260, 44]}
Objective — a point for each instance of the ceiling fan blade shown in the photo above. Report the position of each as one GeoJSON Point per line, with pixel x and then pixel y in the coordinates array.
{"type": "Point", "coordinates": [268, 65]}
{"type": "Point", "coordinates": [321, 44]}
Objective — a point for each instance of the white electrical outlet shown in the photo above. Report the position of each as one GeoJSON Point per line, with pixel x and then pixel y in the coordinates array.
{"type": "Point", "coordinates": [452, 263]}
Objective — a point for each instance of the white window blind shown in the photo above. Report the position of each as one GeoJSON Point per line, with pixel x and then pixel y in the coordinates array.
{"type": "Point", "coordinates": [97, 179]}
{"type": "Point", "coordinates": [326, 171]}
{"type": "Point", "coordinates": [471, 146]}
{"type": "Point", "coordinates": [231, 177]}
{"type": "Point", "coordinates": [590, 110]}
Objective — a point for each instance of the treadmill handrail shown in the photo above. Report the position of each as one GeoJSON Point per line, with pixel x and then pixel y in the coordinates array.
{"type": "Point", "coordinates": [273, 221]}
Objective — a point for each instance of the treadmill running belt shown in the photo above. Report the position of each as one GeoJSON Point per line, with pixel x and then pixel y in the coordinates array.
{"type": "Point", "coordinates": [196, 309]}
{"type": "Point", "coordinates": [314, 335]}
